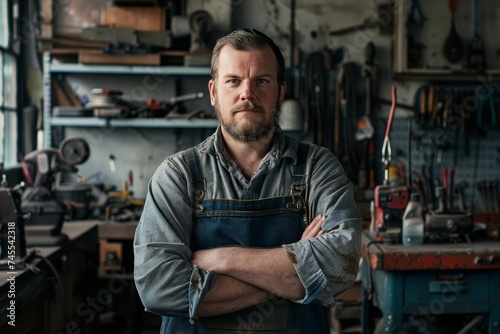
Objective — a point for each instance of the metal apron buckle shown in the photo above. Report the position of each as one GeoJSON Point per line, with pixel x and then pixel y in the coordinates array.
{"type": "Point", "coordinates": [200, 194]}
{"type": "Point", "coordinates": [298, 197]}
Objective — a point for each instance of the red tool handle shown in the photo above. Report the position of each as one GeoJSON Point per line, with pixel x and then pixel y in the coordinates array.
{"type": "Point", "coordinates": [391, 113]}
{"type": "Point", "coordinates": [445, 178]}
{"type": "Point", "coordinates": [131, 178]}
{"type": "Point", "coordinates": [453, 5]}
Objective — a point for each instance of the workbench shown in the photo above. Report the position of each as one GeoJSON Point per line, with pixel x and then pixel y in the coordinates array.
{"type": "Point", "coordinates": [50, 293]}
{"type": "Point", "coordinates": [440, 288]}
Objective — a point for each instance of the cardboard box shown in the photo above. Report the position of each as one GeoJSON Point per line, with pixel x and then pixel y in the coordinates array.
{"type": "Point", "coordinates": [140, 18]}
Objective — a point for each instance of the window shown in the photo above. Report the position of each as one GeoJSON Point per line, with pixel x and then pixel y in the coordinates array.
{"type": "Point", "coordinates": [4, 25]}
{"type": "Point", "coordinates": [8, 89]}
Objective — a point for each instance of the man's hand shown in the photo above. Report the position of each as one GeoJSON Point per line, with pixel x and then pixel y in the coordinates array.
{"type": "Point", "coordinates": [313, 230]}
{"type": "Point", "coordinates": [207, 259]}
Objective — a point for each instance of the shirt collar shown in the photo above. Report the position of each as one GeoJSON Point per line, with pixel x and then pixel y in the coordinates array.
{"type": "Point", "coordinates": [283, 146]}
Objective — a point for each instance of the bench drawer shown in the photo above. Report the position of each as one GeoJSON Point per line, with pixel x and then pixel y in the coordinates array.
{"type": "Point", "coordinates": [454, 287]}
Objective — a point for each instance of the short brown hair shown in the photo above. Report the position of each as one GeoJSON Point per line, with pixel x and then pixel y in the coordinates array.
{"type": "Point", "coordinates": [247, 39]}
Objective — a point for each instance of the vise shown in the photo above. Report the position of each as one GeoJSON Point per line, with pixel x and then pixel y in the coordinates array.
{"type": "Point", "coordinates": [444, 225]}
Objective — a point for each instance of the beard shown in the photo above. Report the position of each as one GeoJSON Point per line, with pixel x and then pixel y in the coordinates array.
{"type": "Point", "coordinates": [247, 133]}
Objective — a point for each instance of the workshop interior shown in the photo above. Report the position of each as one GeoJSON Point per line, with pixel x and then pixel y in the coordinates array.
{"type": "Point", "coordinates": [95, 94]}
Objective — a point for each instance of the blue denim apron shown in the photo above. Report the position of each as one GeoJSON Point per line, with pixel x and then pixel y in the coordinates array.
{"type": "Point", "coordinates": [269, 222]}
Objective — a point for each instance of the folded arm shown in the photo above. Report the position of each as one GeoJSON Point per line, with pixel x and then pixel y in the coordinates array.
{"type": "Point", "coordinates": [266, 271]}
{"type": "Point", "coordinates": [229, 295]}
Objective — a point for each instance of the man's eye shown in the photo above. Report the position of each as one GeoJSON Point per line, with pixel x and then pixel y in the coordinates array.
{"type": "Point", "coordinates": [232, 81]}
{"type": "Point", "coordinates": [262, 81]}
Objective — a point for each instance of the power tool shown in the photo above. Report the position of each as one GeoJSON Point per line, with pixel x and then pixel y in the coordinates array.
{"type": "Point", "coordinates": [390, 204]}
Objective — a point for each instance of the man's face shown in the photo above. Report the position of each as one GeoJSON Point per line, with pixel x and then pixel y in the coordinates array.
{"type": "Point", "coordinates": [246, 95]}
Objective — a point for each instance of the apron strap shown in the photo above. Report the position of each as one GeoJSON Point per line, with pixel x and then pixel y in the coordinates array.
{"type": "Point", "coordinates": [198, 179]}
{"type": "Point", "coordinates": [300, 165]}
{"type": "Point", "coordinates": [299, 186]}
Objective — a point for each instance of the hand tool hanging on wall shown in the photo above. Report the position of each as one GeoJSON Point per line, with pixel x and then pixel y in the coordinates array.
{"type": "Point", "coordinates": [291, 117]}
{"type": "Point", "coordinates": [421, 105]}
{"type": "Point", "coordinates": [415, 21]}
{"type": "Point", "coordinates": [365, 130]}
{"type": "Point", "coordinates": [494, 191]}
{"type": "Point", "coordinates": [386, 145]}
{"type": "Point", "coordinates": [468, 124]}
{"type": "Point", "coordinates": [315, 96]}
{"type": "Point", "coordinates": [419, 187]}
{"type": "Point", "coordinates": [348, 115]}
{"type": "Point", "coordinates": [488, 192]}
{"type": "Point", "coordinates": [391, 198]}
{"type": "Point", "coordinates": [453, 45]}
{"type": "Point", "coordinates": [459, 191]}
{"type": "Point", "coordinates": [476, 59]}
{"type": "Point", "coordinates": [486, 119]}
{"type": "Point", "coordinates": [416, 15]}
{"type": "Point", "coordinates": [336, 119]}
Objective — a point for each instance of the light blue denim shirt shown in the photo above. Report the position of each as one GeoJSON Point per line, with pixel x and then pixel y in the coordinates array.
{"type": "Point", "coordinates": [169, 284]}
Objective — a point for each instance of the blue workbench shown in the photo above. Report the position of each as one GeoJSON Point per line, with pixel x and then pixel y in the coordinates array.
{"type": "Point", "coordinates": [431, 288]}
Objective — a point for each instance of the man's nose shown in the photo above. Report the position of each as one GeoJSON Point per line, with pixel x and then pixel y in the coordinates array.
{"type": "Point", "coordinates": [247, 91]}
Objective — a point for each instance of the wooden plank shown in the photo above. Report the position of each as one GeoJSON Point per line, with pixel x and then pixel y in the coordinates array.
{"type": "Point", "coordinates": [46, 37]}
{"type": "Point", "coordinates": [140, 18]}
{"type": "Point", "coordinates": [46, 11]}
{"type": "Point", "coordinates": [110, 230]}
{"type": "Point", "coordinates": [136, 2]}
{"type": "Point", "coordinates": [99, 58]}
{"type": "Point", "coordinates": [63, 95]}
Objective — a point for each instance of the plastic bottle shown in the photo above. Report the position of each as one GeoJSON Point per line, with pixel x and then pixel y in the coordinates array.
{"type": "Point", "coordinates": [413, 222]}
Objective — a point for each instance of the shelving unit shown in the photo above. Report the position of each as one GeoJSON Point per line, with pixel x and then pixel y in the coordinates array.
{"type": "Point", "coordinates": [51, 68]}
{"type": "Point", "coordinates": [133, 122]}
{"type": "Point", "coordinates": [431, 41]}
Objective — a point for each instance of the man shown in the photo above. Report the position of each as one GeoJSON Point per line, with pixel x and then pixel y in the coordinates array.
{"type": "Point", "coordinates": [249, 231]}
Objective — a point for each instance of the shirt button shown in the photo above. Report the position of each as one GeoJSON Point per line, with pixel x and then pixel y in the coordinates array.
{"type": "Point", "coordinates": [328, 288]}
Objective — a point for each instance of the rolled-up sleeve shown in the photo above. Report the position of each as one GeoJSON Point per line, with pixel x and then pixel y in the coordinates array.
{"type": "Point", "coordinates": [167, 283]}
{"type": "Point", "coordinates": [328, 265]}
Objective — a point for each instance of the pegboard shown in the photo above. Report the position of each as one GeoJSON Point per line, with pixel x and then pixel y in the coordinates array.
{"type": "Point", "coordinates": [481, 163]}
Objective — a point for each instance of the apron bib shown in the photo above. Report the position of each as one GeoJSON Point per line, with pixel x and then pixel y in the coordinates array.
{"type": "Point", "coordinates": [269, 222]}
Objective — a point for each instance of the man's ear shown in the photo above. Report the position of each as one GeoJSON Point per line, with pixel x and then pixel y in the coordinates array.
{"type": "Point", "coordinates": [211, 89]}
{"type": "Point", "coordinates": [283, 88]}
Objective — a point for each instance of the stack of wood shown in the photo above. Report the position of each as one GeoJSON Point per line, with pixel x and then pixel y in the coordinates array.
{"type": "Point", "coordinates": [108, 41]}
